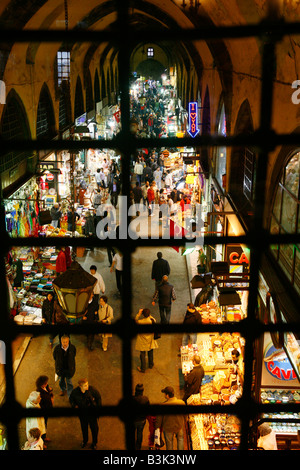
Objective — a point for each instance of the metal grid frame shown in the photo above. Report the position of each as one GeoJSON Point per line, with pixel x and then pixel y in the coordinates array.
{"type": "Point", "coordinates": [270, 31]}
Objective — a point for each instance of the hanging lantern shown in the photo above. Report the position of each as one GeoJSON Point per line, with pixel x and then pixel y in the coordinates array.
{"type": "Point", "coordinates": [74, 289]}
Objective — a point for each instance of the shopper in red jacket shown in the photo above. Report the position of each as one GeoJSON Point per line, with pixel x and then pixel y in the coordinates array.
{"type": "Point", "coordinates": [151, 198]}
{"type": "Point", "coordinates": [61, 261]}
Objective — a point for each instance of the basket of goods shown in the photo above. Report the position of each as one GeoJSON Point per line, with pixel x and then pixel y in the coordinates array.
{"type": "Point", "coordinates": [19, 319]}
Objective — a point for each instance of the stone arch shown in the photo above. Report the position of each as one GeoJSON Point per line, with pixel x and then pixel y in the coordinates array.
{"type": "Point", "coordinates": [78, 101]}
{"type": "Point", "coordinates": [14, 125]}
{"type": "Point", "coordinates": [96, 87]}
{"type": "Point", "coordinates": [206, 126]}
{"type": "Point", "coordinates": [103, 85]}
{"type": "Point", "coordinates": [45, 120]}
{"type": "Point", "coordinates": [242, 166]}
{"type": "Point", "coordinates": [89, 99]}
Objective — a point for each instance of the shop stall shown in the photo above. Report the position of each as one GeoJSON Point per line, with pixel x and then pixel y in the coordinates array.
{"type": "Point", "coordinates": [22, 210]}
{"type": "Point", "coordinates": [221, 385]}
{"type": "Point", "coordinates": [36, 284]}
{"type": "Point", "coordinates": [280, 385]}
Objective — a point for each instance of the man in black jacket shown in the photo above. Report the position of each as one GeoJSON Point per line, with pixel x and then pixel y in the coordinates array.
{"type": "Point", "coordinates": [91, 317]}
{"type": "Point", "coordinates": [140, 420]}
{"type": "Point", "coordinates": [114, 190]}
{"type": "Point", "coordinates": [165, 294]}
{"type": "Point", "coordinates": [64, 355]}
{"type": "Point", "coordinates": [85, 397]}
{"type": "Point", "coordinates": [137, 196]}
{"type": "Point", "coordinates": [160, 268]}
{"type": "Point", "coordinates": [56, 214]}
{"type": "Point", "coordinates": [48, 313]}
{"type": "Point", "coordinates": [192, 317]}
{"type": "Point", "coordinates": [193, 379]}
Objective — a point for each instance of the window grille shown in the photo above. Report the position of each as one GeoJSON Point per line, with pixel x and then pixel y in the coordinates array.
{"type": "Point", "coordinates": [264, 139]}
{"type": "Point", "coordinates": [63, 66]}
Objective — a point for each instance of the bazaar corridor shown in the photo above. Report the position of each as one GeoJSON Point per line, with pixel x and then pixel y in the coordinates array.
{"type": "Point", "coordinates": [103, 369]}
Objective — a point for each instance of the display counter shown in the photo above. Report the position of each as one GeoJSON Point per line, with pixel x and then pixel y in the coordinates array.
{"type": "Point", "coordinates": [214, 432]}
{"type": "Point", "coordinates": [220, 385]}
{"type": "Point", "coordinates": [36, 284]}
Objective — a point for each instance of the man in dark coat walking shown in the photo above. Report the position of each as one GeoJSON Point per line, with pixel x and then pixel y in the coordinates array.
{"type": "Point", "coordinates": [165, 294]}
{"type": "Point", "coordinates": [91, 317]}
{"type": "Point", "coordinates": [140, 420]}
{"type": "Point", "coordinates": [193, 379]}
{"type": "Point", "coordinates": [137, 196]}
{"type": "Point", "coordinates": [114, 190]}
{"type": "Point", "coordinates": [64, 355]}
{"type": "Point", "coordinates": [160, 268]}
{"type": "Point", "coordinates": [85, 397]}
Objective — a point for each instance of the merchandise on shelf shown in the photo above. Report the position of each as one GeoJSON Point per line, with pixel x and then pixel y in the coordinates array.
{"type": "Point", "coordinates": [279, 396]}
{"type": "Point", "coordinates": [187, 353]}
{"type": "Point", "coordinates": [220, 385]}
{"type": "Point", "coordinates": [283, 426]}
{"type": "Point", "coordinates": [36, 284]}
{"type": "Point", "coordinates": [210, 312]}
{"type": "Point", "coordinates": [233, 313]}
{"type": "Point", "coordinates": [215, 350]}
{"type": "Point", "coordinates": [214, 432]}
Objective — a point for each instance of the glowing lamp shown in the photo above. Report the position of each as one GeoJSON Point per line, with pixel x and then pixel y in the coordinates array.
{"type": "Point", "coordinates": [74, 289]}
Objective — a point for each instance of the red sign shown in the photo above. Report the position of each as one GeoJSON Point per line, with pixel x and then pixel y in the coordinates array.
{"type": "Point", "coordinates": [235, 258]}
{"type": "Point", "coordinates": [50, 177]}
{"type": "Point", "coordinates": [117, 116]}
{"type": "Point", "coordinates": [235, 255]}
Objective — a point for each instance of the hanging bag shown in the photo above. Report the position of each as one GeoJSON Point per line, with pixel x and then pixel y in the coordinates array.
{"type": "Point", "coordinates": [157, 335]}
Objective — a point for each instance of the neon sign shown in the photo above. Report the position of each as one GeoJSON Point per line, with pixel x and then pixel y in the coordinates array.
{"type": "Point", "coordinates": [193, 119]}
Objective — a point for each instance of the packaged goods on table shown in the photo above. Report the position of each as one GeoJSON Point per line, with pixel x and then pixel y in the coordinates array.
{"type": "Point", "coordinates": [233, 313]}
{"type": "Point", "coordinates": [187, 354]}
{"type": "Point", "coordinates": [214, 432]}
{"type": "Point", "coordinates": [55, 232]}
{"type": "Point", "coordinates": [197, 432]}
{"type": "Point", "coordinates": [210, 312]}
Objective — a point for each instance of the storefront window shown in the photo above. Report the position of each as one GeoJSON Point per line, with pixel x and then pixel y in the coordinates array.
{"type": "Point", "coordinates": [221, 151]}
{"type": "Point", "coordinates": [285, 218]}
{"type": "Point", "coordinates": [289, 213]}
{"type": "Point", "coordinates": [277, 204]}
{"type": "Point", "coordinates": [292, 171]}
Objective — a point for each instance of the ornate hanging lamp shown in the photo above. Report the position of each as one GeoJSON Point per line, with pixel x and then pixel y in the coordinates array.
{"type": "Point", "coordinates": [74, 289]}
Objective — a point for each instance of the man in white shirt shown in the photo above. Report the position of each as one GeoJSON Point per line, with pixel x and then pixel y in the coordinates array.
{"type": "Point", "coordinates": [138, 171]}
{"type": "Point", "coordinates": [168, 180]}
{"type": "Point", "coordinates": [100, 285]}
{"type": "Point", "coordinates": [98, 178]}
{"type": "Point", "coordinates": [118, 265]}
{"type": "Point", "coordinates": [157, 177]}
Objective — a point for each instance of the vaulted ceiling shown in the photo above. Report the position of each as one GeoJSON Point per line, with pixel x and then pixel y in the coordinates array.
{"type": "Point", "coordinates": [153, 15]}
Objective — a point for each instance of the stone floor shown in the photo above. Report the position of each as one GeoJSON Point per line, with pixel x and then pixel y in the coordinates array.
{"type": "Point", "coordinates": [104, 369]}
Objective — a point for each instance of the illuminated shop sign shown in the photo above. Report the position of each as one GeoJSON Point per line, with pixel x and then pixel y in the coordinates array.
{"type": "Point", "coordinates": [193, 119]}
{"type": "Point", "coordinates": [278, 364]}
{"type": "Point", "coordinates": [235, 255]}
